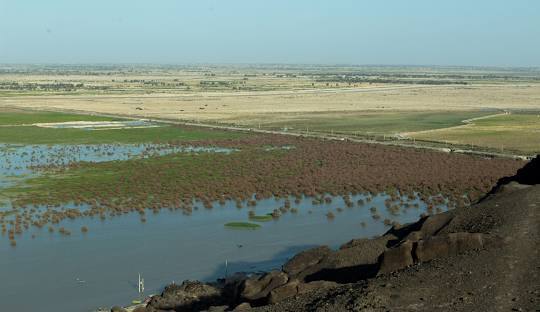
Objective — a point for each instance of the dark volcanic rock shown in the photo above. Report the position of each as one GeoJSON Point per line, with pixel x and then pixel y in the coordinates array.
{"type": "Point", "coordinates": [257, 288]}
{"type": "Point", "coordinates": [363, 241]}
{"type": "Point", "coordinates": [190, 296]}
{"type": "Point", "coordinates": [423, 228]}
{"type": "Point", "coordinates": [304, 288]}
{"type": "Point", "coordinates": [529, 174]}
{"type": "Point", "coordinates": [354, 260]}
{"type": "Point", "coordinates": [357, 252]}
{"type": "Point", "coordinates": [512, 186]}
{"type": "Point", "coordinates": [397, 258]}
{"type": "Point", "coordinates": [283, 292]}
{"type": "Point", "coordinates": [245, 306]}
{"type": "Point", "coordinates": [453, 244]}
{"type": "Point", "coordinates": [222, 308]}
{"type": "Point", "coordinates": [231, 287]}
{"type": "Point", "coordinates": [429, 226]}
{"type": "Point", "coordinates": [433, 224]}
{"type": "Point", "coordinates": [302, 264]}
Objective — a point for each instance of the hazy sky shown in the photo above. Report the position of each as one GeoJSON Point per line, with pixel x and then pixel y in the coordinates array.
{"type": "Point", "coordinates": [423, 32]}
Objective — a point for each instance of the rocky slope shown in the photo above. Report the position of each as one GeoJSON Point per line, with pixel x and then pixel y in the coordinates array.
{"type": "Point", "coordinates": [481, 258]}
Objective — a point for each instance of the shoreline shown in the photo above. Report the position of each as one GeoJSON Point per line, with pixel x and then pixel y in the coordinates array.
{"type": "Point", "coordinates": [399, 255]}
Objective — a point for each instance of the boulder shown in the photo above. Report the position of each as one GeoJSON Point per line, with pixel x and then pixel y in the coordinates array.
{"type": "Point", "coordinates": [222, 308]}
{"type": "Point", "coordinates": [118, 309]}
{"type": "Point", "coordinates": [397, 258]}
{"type": "Point", "coordinates": [189, 296]}
{"type": "Point", "coordinates": [283, 292]}
{"type": "Point", "coordinates": [529, 174]}
{"type": "Point", "coordinates": [299, 265]}
{"type": "Point", "coordinates": [245, 306]}
{"type": "Point", "coordinates": [231, 286]}
{"type": "Point", "coordinates": [362, 241]}
{"type": "Point", "coordinates": [434, 223]}
{"type": "Point", "coordinates": [315, 285]}
{"type": "Point", "coordinates": [414, 236]}
{"type": "Point", "coordinates": [256, 288]}
{"type": "Point", "coordinates": [511, 187]}
{"type": "Point", "coordinates": [357, 252]}
{"type": "Point", "coordinates": [451, 244]}
{"type": "Point", "coordinates": [430, 226]}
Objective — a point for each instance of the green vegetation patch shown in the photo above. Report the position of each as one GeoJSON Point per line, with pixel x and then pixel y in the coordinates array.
{"type": "Point", "coordinates": [261, 218]}
{"type": "Point", "coordinates": [372, 122]}
{"type": "Point", "coordinates": [155, 179]}
{"type": "Point", "coordinates": [16, 128]}
{"type": "Point", "coordinates": [242, 225]}
{"type": "Point", "coordinates": [21, 117]}
{"type": "Point", "coordinates": [37, 135]}
{"type": "Point", "coordinates": [505, 133]}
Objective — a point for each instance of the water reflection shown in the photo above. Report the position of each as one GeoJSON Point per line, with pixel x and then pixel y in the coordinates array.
{"type": "Point", "coordinates": [171, 246]}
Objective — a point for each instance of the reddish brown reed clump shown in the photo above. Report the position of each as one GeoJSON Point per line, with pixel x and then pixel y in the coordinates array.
{"type": "Point", "coordinates": [313, 167]}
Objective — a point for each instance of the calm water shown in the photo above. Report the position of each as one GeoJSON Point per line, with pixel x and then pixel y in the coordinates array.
{"type": "Point", "coordinates": [19, 159]}
{"type": "Point", "coordinates": [19, 162]}
{"type": "Point", "coordinates": [41, 273]}
{"type": "Point", "coordinates": [44, 273]}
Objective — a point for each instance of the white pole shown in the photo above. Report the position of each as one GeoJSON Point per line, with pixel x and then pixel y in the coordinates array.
{"type": "Point", "coordinates": [141, 284]}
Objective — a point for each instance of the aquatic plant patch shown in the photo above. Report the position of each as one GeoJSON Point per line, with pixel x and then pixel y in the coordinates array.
{"type": "Point", "coordinates": [312, 168]}
{"type": "Point", "coordinates": [242, 225]}
{"type": "Point", "coordinates": [262, 218]}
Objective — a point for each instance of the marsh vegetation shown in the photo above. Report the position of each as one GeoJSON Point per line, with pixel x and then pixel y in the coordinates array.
{"type": "Point", "coordinates": [114, 180]}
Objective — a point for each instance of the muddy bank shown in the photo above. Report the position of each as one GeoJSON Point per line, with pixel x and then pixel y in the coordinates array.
{"type": "Point", "coordinates": [482, 258]}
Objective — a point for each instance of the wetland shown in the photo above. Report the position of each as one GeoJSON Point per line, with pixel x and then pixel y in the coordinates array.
{"type": "Point", "coordinates": [91, 201]}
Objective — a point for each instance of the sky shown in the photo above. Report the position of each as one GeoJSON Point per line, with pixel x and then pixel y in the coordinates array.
{"type": "Point", "coordinates": [383, 32]}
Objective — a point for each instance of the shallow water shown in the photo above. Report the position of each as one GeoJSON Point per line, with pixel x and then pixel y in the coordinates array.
{"type": "Point", "coordinates": [41, 273]}
{"type": "Point", "coordinates": [20, 162]}
{"type": "Point", "coordinates": [20, 159]}
{"type": "Point", "coordinates": [45, 273]}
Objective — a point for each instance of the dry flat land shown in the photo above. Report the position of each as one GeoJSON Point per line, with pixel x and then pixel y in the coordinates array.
{"type": "Point", "coordinates": [243, 107]}
{"type": "Point", "coordinates": [351, 100]}
{"type": "Point", "coordinates": [506, 131]}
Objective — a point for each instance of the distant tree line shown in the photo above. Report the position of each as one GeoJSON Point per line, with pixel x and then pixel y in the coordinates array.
{"type": "Point", "coordinates": [351, 80]}
{"type": "Point", "coordinates": [56, 86]}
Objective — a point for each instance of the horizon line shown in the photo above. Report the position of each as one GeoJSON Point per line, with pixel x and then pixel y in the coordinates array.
{"type": "Point", "coordinates": [262, 64]}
